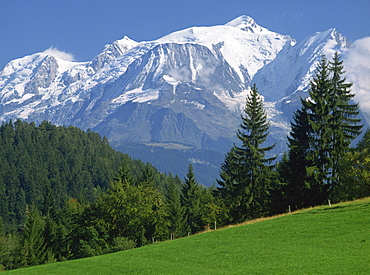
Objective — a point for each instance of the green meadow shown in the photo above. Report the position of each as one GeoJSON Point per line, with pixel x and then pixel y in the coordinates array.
{"type": "Point", "coordinates": [323, 240]}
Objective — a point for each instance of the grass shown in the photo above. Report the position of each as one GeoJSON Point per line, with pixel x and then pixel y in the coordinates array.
{"type": "Point", "coordinates": [322, 240]}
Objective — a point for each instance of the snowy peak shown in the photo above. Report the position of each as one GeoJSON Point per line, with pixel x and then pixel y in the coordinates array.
{"type": "Point", "coordinates": [246, 23]}
{"type": "Point", "coordinates": [326, 43]}
{"type": "Point", "coordinates": [246, 46]}
{"type": "Point", "coordinates": [339, 39]}
{"type": "Point", "coordinates": [43, 75]}
{"type": "Point", "coordinates": [240, 29]}
{"type": "Point", "coordinates": [125, 44]}
{"type": "Point", "coordinates": [287, 78]}
{"type": "Point", "coordinates": [112, 51]}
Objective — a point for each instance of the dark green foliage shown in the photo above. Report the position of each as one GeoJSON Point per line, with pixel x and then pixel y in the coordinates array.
{"type": "Point", "coordinates": [354, 170]}
{"type": "Point", "coordinates": [192, 201]}
{"type": "Point", "coordinates": [176, 211]}
{"type": "Point", "coordinates": [230, 190]}
{"type": "Point", "coordinates": [318, 107]}
{"type": "Point", "coordinates": [246, 173]}
{"type": "Point", "coordinates": [34, 249]}
{"type": "Point", "coordinates": [133, 212]}
{"type": "Point", "coordinates": [124, 177]}
{"type": "Point", "coordinates": [148, 175]}
{"type": "Point", "coordinates": [46, 165]}
{"type": "Point", "coordinates": [302, 190]}
{"type": "Point", "coordinates": [213, 211]}
{"type": "Point", "coordinates": [9, 249]}
{"type": "Point", "coordinates": [4, 251]}
{"type": "Point", "coordinates": [321, 134]}
{"type": "Point", "coordinates": [344, 122]}
{"type": "Point", "coordinates": [63, 173]}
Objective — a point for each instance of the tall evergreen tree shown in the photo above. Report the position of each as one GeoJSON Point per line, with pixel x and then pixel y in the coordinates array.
{"type": "Point", "coordinates": [177, 218]}
{"type": "Point", "coordinates": [124, 177]}
{"type": "Point", "coordinates": [191, 200]}
{"type": "Point", "coordinates": [294, 167]}
{"type": "Point", "coordinates": [321, 134]}
{"type": "Point", "coordinates": [319, 105]}
{"type": "Point", "coordinates": [344, 122]}
{"type": "Point", "coordinates": [246, 170]}
{"type": "Point", "coordinates": [147, 175]}
{"type": "Point", "coordinates": [33, 240]}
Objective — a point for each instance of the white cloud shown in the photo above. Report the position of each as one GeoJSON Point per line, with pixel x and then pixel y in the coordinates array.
{"type": "Point", "coordinates": [357, 65]}
{"type": "Point", "coordinates": [59, 54]}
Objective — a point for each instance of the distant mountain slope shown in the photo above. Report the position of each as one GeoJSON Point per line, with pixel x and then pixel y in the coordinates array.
{"type": "Point", "coordinates": [174, 159]}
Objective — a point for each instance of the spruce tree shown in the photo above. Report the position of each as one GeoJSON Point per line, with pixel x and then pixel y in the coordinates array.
{"type": "Point", "coordinates": [33, 240]}
{"type": "Point", "coordinates": [344, 122]}
{"type": "Point", "coordinates": [177, 217]}
{"type": "Point", "coordinates": [191, 199]}
{"type": "Point", "coordinates": [147, 175]}
{"type": "Point", "coordinates": [294, 166]}
{"type": "Point", "coordinates": [124, 177]}
{"type": "Point", "coordinates": [230, 191]}
{"type": "Point", "coordinates": [321, 134]}
{"type": "Point", "coordinates": [245, 174]}
{"type": "Point", "coordinates": [319, 108]}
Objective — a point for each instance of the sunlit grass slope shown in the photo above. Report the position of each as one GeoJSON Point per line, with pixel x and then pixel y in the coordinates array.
{"type": "Point", "coordinates": [322, 240]}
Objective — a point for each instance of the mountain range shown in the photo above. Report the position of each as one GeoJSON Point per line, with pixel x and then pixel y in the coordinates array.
{"type": "Point", "coordinates": [187, 88]}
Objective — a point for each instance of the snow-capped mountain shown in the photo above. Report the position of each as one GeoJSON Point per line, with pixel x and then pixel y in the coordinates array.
{"type": "Point", "coordinates": [187, 87]}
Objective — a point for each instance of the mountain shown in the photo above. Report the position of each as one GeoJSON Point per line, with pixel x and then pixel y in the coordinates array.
{"type": "Point", "coordinates": [187, 87]}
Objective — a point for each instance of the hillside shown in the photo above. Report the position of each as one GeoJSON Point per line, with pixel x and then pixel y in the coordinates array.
{"type": "Point", "coordinates": [67, 161]}
{"type": "Point", "coordinates": [322, 240]}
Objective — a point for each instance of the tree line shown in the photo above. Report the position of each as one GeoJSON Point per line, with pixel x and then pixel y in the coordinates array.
{"type": "Point", "coordinates": [319, 165]}
{"type": "Point", "coordinates": [65, 160]}
{"type": "Point", "coordinates": [66, 194]}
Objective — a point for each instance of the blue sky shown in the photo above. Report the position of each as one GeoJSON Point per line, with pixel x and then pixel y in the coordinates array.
{"type": "Point", "coordinates": [83, 27]}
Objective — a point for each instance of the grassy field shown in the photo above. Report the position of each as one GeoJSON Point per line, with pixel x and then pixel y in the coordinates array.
{"type": "Point", "coordinates": [322, 240]}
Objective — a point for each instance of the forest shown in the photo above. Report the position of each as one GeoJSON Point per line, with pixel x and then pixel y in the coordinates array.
{"type": "Point", "coordinates": [66, 194]}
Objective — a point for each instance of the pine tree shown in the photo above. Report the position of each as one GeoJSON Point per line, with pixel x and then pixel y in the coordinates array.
{"type": "Point", "coordinates": [48, 207]}
{"type": "Point", "coordinates": [321, 134]}
{"type": "Point", "coordinates": [177, 217]}
{"type": "Point", "coordinates": [294, 165]}
{"type": "Point", "coordinates": [34, 245]}
{"type": "Point", "coordinates": [319, 113]}
{"type": "Point", "coordinates": [246, 170]}
{"type": "Point", "coordinates": [191, 200]}
{"type": "Point", "coordinates": [147, 175]}
{"type": "Point", "coordinates": [124, 177]}
{"type": "Point", "coordinates": [344, 122]}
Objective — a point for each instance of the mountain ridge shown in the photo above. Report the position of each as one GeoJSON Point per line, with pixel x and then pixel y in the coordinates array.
{"type": "Point", "coordinates": [186, 87]}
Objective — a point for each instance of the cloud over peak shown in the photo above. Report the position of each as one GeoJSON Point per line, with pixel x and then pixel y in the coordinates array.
{"type": "Point", "coordinates": [59, 54]}
{"type": "Point", "coordinates": [357, 65]}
